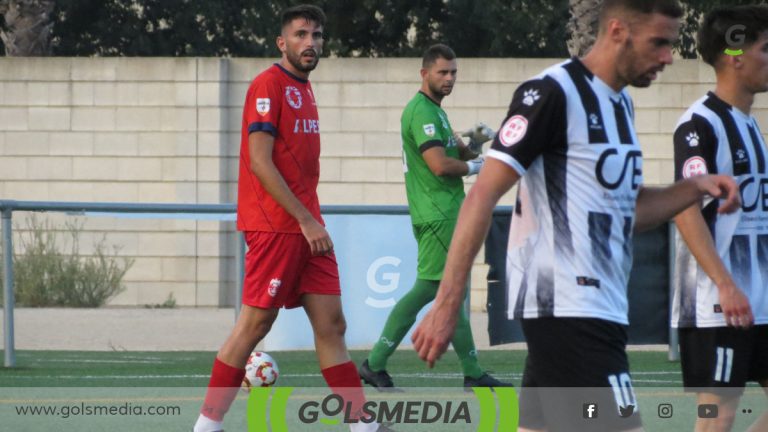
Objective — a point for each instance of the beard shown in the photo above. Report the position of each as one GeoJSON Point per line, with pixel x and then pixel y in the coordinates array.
{"type": "Point", "coordinates": [633, 75]}
{"type": "Point", "coordinates": [439, 90]}
{"type": "Point", "coordinates": [296, 61]}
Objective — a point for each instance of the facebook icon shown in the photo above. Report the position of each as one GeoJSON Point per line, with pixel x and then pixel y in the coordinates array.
{"type": "Point", "coordinates": [589, 411]}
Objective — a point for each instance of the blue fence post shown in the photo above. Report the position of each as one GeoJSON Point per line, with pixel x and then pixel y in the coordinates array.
{"type": "Point", "coordinates": [8, 300]}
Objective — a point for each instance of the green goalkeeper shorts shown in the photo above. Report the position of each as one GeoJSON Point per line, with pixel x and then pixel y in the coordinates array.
{"type": "Point", "coordinates": [433, 239]}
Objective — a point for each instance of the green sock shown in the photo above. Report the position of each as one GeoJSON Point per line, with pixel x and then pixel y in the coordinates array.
{"type": "Point", "coordinates": [464, 345]}
{"type": "Point", "coordinates": [400, 320]}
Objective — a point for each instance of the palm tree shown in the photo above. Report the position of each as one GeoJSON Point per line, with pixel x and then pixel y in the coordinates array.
{"type": "Point", "coordinates": [28, 24]}
{"type": "Point", "coordinates": [582, 25]}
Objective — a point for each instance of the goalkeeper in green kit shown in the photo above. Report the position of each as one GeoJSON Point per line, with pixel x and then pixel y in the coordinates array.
{"type": "Point", "coordinates": [434, 161]}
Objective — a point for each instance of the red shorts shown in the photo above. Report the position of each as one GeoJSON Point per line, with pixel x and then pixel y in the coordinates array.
{"type": "Point", "coordinates": [280, 268]}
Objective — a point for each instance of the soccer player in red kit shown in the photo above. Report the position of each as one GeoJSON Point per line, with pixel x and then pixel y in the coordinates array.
{"type": "Point", "coordinates": [290, 260]}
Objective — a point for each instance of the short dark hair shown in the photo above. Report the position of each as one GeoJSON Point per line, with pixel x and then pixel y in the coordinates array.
{"type": "Point", "coordinates": [435, 52]}
{"type": "Point", "coordinates": [670, 8]}
{"type": "Point", "coordinates": [306, 11]}
{"type": "Point", "coordinates": [718, 24]}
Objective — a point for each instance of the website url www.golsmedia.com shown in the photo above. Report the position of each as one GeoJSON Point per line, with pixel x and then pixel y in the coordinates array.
{"type": "Point", "coordinates": [125, 409]}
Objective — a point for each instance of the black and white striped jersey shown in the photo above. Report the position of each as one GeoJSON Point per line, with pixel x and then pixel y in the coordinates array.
{"type": "Point", "coordinates": [714, 137]}
{"type": "Point", "coordinates": [571, 138]}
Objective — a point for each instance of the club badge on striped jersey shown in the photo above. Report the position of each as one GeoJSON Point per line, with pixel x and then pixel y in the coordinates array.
{"type": "Point", "coordinates": [694, 166]}
{"type": "Point", "coordinates": [513, 131]}
{"type": "Point", "coordinates": [429, 129]}
{"type": "Point", "coordinates": [262, 106]}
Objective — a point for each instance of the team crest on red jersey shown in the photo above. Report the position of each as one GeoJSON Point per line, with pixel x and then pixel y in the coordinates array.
{"type": "Point", "coordinates": [262, 105]}
{"type": "Point", "coordinates": [293, 96]}
{"type": "Point", "coordinates": [274, 285]}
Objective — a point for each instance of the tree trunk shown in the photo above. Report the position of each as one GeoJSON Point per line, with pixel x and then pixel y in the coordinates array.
{"type": "Point", "coordinates": [583, 25]}
{"type": "Point", "coordinates": [27, 30]}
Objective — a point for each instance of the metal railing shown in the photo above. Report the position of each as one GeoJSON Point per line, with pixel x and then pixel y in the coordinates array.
{"type": "Point", "coordinates": [7, 207]}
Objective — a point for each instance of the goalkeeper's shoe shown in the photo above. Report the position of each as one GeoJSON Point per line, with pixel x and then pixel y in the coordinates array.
{"type": "Point", "coordinates": [378, 379]}
{"type": "Point", "coordinates": [484, 380]}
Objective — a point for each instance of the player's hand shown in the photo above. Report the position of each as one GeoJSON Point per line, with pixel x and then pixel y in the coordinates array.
{"type": "Point", "coordinates": [736, 309]}
{"type": "Point", "coordinates": [722, 187]}
{"type": "Point", "coordinates": [318, 238]}
{"type": "Point", "coordinates": [434, 333]}
{"type": "Point", "coordinates": [478, 135]}
{"type": "Point", "coordinates": [474, 165]}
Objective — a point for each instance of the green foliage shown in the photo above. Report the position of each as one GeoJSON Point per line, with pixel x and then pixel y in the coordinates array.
{"type": "Point", "coordinates": [355, 28]}
{"type": "Point", "coordinates": [169, 303]}
{"type": "Point", "coordinates": [44, 275]}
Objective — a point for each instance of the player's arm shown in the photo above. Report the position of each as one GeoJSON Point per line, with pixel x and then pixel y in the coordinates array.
{"type": "Point", "coordinates": [696, 153]}
{"type": "Point", "coordinates": [657, 205]}
{"type": "Point", "coordinates": [736, 309]}
{"type": "Point", "coordinates": [435, 331]}
{"type": "Point", "coordinates": [441, 164]}
{"type": "Point", "coordinates": [260, 146]}
{"type": "Point", "coordinates": [465, 153]}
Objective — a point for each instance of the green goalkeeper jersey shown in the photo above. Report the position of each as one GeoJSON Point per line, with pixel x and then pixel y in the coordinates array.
{"type": "Point", "coordinates": [424, 125]}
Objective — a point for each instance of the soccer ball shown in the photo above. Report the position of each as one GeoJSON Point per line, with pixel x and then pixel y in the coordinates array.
{"type": "Point", "coordinates": [260, 371]}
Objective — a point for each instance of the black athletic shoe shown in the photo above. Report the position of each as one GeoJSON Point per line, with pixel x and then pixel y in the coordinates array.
{"type": "Point", "coordinates": [380, 380]}
{"type": "Point", "coordinates": [485, 380]}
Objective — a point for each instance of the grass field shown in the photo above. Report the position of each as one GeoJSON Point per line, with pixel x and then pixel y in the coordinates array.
{"type": "Point", "coordinates": [179, 379]}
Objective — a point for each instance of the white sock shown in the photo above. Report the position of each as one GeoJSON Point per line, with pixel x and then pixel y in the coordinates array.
{"type": "Point", "coordinates": [204, 424]}
{"type": "Point", "coordinates": [363, 427]}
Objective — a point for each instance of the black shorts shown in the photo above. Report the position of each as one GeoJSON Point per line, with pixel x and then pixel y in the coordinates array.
{"type": "Point", "coordinates": [576, 376]}
{"type": "Point", "coordinates": [721, 360]}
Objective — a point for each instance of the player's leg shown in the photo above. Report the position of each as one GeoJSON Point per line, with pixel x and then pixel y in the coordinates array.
{"type": "Point", "coordinates": [574, 364]}
{"type": "Point", "coordinates": [716, 364]}
{"type": "Point", "coordinates": [269, 278]}
{"type": "Point", "coordinates": [759, 372]}
{"type": "Point", "coordinates": [328, 324]}
{"type": "Point", "coordinates": [761, 424]}
{"type": "Point", "coordinates": [228, 371]}
{"type": "Point", "coordinates": [464, 345]}
{"type": "Point", "coordinates": [433, 239]}
{"type": "Point", "coordinates": [399, 321]}
{"type": "Point", "coordinates": [320, 296]}
{"type": "Point", "coordinates": [726, 412]}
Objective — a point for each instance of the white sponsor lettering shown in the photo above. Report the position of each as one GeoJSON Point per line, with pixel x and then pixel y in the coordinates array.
{"type": "Point", "coordinates": [306, 126]}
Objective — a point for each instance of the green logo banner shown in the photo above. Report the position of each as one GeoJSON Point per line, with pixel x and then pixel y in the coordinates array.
{"type": "Point", "coordinates": [281, 409]}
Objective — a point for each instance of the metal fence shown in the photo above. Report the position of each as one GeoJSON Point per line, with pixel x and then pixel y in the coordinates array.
{"type": "Point", "coordinates": [8, 207]}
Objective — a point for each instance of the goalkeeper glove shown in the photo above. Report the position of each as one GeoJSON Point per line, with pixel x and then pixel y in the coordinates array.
{"type": "Point", "coordinates": [478, 134]}
{"type": "Point", "coordinates": [474, 165]}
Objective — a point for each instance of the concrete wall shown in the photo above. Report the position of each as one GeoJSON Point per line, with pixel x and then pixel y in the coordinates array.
{"type": "Point", "coordinates": [167, 130]}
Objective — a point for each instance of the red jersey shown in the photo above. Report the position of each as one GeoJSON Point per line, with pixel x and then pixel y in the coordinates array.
{"type": "Point", "coordinates": [283, 105]}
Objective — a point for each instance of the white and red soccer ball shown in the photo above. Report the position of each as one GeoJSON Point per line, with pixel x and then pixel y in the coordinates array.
{"type": "Point", "coordinates": [260, 371]}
